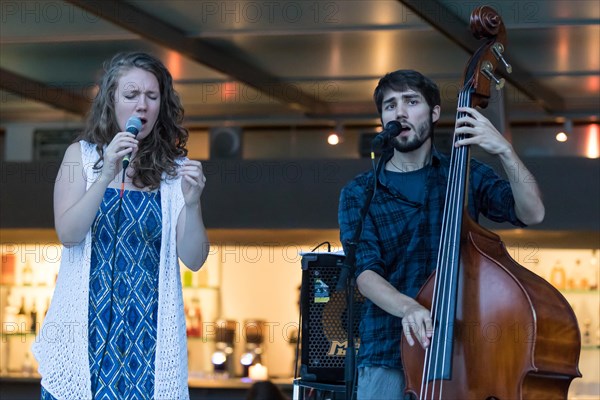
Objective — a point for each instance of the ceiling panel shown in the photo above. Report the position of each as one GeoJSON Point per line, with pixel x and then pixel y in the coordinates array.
{"type": "Point", "coordinates": [301, 61]}
{"type": "Point", "coordinates": [81, 62]}
{"type": "Point", "coordinates": [15, 108]}
{"type": "Point", "coordinates": [532, 13]}
{"type": "Point", "coordinates": [353, 54]}
{"type": "Point", "coordinates": [223, 18]}
{"type": "Point", "coordinates": [42, 21]}
{"type": "Point", "coordinates": [559, 50]}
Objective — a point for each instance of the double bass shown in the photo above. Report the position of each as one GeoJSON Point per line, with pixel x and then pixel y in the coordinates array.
{"type": "Point", "coordinates": [500, 331]}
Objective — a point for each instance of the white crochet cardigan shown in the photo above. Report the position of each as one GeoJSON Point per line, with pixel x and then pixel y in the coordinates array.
{"type": "Point", "coordinates": [61, 348]}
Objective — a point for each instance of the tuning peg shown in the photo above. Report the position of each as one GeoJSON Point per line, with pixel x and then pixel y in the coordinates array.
{"type": "Point", "coordinates": [487, 70]}
{"type": "Point", "coordinates": [498, 49]}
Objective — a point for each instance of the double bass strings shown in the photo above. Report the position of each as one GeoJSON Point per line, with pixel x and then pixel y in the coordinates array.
{"type": "Point", "coordinates": [444, 296]}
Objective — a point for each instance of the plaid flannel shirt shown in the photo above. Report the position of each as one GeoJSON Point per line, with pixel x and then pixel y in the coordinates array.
{"type": "Point", "coordinates": [400, 240]}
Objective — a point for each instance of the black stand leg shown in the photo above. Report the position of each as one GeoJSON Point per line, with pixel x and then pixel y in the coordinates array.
{"type": "Point", "coordinates": [347, 281]}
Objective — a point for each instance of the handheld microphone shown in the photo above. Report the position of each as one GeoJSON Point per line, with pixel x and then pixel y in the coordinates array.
{"type": "Point", "coordinates": [133, 125]}
{"type": "Point", "coordinates": [391, 130]}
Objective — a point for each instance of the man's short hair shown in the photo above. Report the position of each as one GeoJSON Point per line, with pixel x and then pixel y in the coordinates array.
{"type": "Point", "coordinates": [403, 80]}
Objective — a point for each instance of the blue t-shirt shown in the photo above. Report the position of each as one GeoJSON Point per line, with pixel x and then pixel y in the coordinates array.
{"type": "Point", "coordinates": [409, 184]}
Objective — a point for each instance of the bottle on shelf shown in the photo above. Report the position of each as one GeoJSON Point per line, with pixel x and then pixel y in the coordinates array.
{"type": "Point", "coordinates": [196, 304]}
{"type": "Point", "coordinates": [188, 278]}
{"type": "Point", "coordinates": [33, 318]}
{"type": "Point", "coordinates": [47, 306]}
{"type": "Point", "coordinates": [193, 318]}
{"type": "Point", "coordinates": [9, 319]}
{"type": "Point", "coordinates": [587, 334]}
{"type": "Point", "coordinates": [22, 320]}
{"type": "Point", "coordinates": [558, 277]}
{"type": "Point", "coordinates": [7, 269]}
{"type": "Point", "coordinates": [27, 275]}
{"type": "Point", "coordinates": [576, 279]}
{"type": "Point", "coordinates": [188, 320]}
{"type": "Point", "coordinates": [594, 271]}
{"type": "Point", "coordinates": [41, 275]}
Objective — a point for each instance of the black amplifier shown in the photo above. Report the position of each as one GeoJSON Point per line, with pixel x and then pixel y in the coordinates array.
{"type": "Point", "coordinates": [324, 338]}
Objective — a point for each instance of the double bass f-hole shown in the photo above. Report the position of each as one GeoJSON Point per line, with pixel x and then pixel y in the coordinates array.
{"type": "Point", "coordinates": [477, 285]}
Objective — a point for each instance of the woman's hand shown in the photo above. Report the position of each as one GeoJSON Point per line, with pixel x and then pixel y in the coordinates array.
{"type": "Point", "coordinates": [192, 181]}
{"type": "Point", "coordinates": [122, 144]}
{"type": "Point", "coordinates": [192, 242]}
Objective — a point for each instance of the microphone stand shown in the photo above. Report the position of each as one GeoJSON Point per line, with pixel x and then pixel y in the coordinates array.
{"type": "Point", "coordinates": [347, 281]}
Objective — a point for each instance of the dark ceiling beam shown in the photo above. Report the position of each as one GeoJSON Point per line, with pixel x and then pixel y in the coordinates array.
{"type": "Point", "coordinates": [224, 60]}
{"type": "Point", "coordinates": [444, 20]}
{"type": "Point", "coordinates": [34, 90]}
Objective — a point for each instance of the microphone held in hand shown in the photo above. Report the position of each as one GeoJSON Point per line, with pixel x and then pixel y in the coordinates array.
{"type": "Point", "coordinates": [133, 125]}
{"type": "Point", "coordinates": [391, 130]}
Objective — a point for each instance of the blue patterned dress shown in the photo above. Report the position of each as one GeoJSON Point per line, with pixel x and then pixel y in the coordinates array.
{"type": "Point", "coordinates": [123, 302]}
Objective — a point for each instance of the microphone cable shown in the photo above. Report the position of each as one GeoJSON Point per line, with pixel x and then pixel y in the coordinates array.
{"type": "Point", "coordinates": [125, 165]}
{"type": "Point", "coordinates": [133, 125]}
